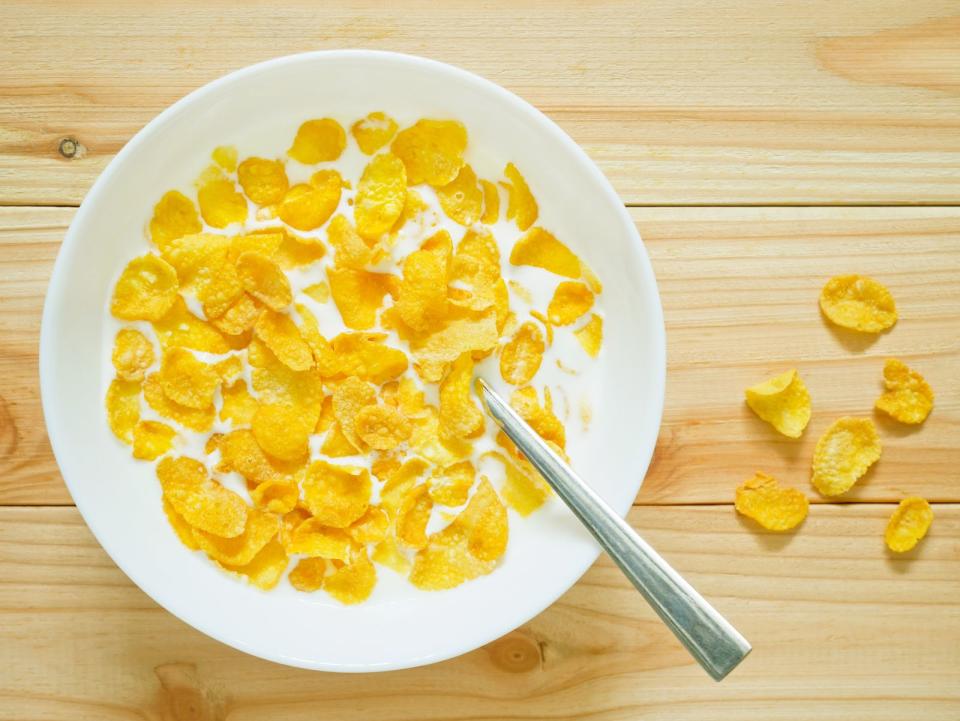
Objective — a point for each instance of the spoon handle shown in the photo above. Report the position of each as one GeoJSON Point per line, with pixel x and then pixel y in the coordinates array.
{"type": "Point", "coordinates": [709, 637]}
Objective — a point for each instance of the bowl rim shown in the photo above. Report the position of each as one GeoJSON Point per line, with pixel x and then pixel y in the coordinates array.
{"type": "Point", "coordinates": [54, 301]}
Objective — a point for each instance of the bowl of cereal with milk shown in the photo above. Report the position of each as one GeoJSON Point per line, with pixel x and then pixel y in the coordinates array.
{"type": "Point", "coordinates": [260, 341]}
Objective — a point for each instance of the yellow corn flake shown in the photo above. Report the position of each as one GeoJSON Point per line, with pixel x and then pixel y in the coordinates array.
{"type": "Point", "coordinates": [263, 279]}
{"type": "Point", "coordinates": [281, 335]}
{"type": "Point", "coordinates": [183, 529]}
{"type": "Point", "coordinates": [413, 516]}
{"type": "Point", "coordinates": [590, 336]}
{"type": "Point", "coordinates": [491, 203]}
{"type": "Point", "coordinates": [459, 415]}
{"type": "Point", "coordinates": [539, 248]}
{"type": "Point", "coordinates": [240, 452]}
{"type": "Point", "coordinates": [462, 198]}
{"type": "Point", "coordinates": [337, 445]}
{"type": "Point", "coordinates": [521, 291]}
{"type": "Point", "coordinates": [773, 507]}
{"type": "Point", "coordinates": [267, 567]}
{"type": "Point", "coordinates": [318, 141]}
{"type": "Point", "coordinates": [373, 132]}
{"type": "Point", "coordinates": [524, 490]}
{"type": "Point", "coordinates": [221, 204]}
{"type": "Point", "coordinates": [843, 454]}
{"type": "Point", "coordinates": [315, 540]}
{"type": "Point", "coordinates": [352, 251]}
{"type": "Point", "coordinates": [307, 206]}
{"type": "Point", "coordinates": [173, 217]}
{"type": "Point", "coordinates": [366, 356]}
{"type": "Point", "coordinates": [240, 550]}
{"type": "Point", "coordinates": [358, 295]}
{"type": "Point", "coordinates": [390, 393]}
{"type": "Point", "coordinates": [371, 527]}
{"type": "Point", "coordinates": [240, 317]}
{"type": "Point", "coordinates": [428, 441]}
{"type": "Point", "coordinates": [264, 181]}
{"type": "Point", "coordinates": [541, 418]}
{"type": "Point", "coordinates": [465, 549]}
{"type": "Point", "coordinates": [265, 241]}
{"type": "Point", "coordinates": [277, 383]}
{"type": "Point", "coordinates": [123, 408]}
{"type": "Point", "coordinates": [327, 363]}
{"type": "Point", "coordinates": [295, 252]}
{"type": "Point", "coordinates": [229, 369]}
{"type": "Point", "coordinates": [204, 268]}
{"type": "Point", "coordinates": [307, 575]}
{"type": "Point", "coordinates": [336, 495]}
{"type": "Point", "coordinates": [350, 396]}
{"type": "Point", "coordinates": [858, 303]}
{"type": "Point", "coordinates": [146, 290]}
{"type": "Point", "coordinates": [520, 357]}
{"type": "Point", "coordinates": [521, 206]}
{"type": "Point", "coordinates": [422, 301]}
{"type": "Point", "coordinates": [399, 483]}
{"type": "Point", "coordinates": [908, 524]}
{"type": "Point", "coordinates": [326, 419]}
{"type": "Point", "coordinates": [132, 354]}
{"type": "Point", "coordinates": [186, 380]}
{"type": "Point", "coordinates": [225, 156]}
{"type": "Point", "coordinates": [570, 301]}
{"type": "Point", "coordinates": [196, 419]}
{"type": "Point", "coordinates": [203, 503]}
{"type": "Point", "coordinates": [413, 206]}
{"type": "Point", "coordinates": [381, 194]}
{"type": "Point", "coordinates": [238, 405]}
{"type": "Point", "coordinates": [782, 401]}
{"type": "Point", "coordinates": [450, 486]}
{"type": "Point", "coordinates": [381, 427]}
{"type": "Point", "coordinates": [320, 292]}
{"type": "Point", "coordinates": [283, 431]}
{"type": "Point", "coordinates": [460, 333]}
{"type": "Point", "coordinates": [908, 398]}
{"type": "Point", "coordinates": [410, 398]}
{"type": "Point", "coordinates": [277, 496]}
{"type": "Point", "coordinates": [431, 150]}
{"type": "Point", "coordinates": [151, 439]}
{"type": "Point", "coordinates": [353, 582]}
{"type": "Point", "coordinates": [388, 553]}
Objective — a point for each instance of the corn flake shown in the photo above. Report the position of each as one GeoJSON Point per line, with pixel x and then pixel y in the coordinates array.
{"type": "Point", "coordinates": [132, 354]}
{"type": "Point", "coordinates": [277, 496]}
{"type": "Point", "coordinates": [311, 538]}
{"type": "Point", "coordinates": [240, 550]}
{"type": "Point", "coordinates": [908, 524]}
{"type": "Point", "coordinates": [123, 408]}
{"type": "Point", "coordinates": [151, 439]}
{"type": "Point", "coordinates": [459, 415]}
{"type": "Point", "coordinates": [373, 132]}
{"type": "Point", "coordinates": [450, 486]}
{"type": "Point", "coordinates": [238, 405]}
{"type": "Point", "coordinates": [366, 356]}
{"type": "Point", "coordinates": [358, 295]}
{"type": "Point", "coordinates": [520, 357]}
{"type": "Point", "coordinates": [267, 567]}
{"type": "Point", "coordinates": [320, 292]}
{"type": "Point", "coordinates": [491, 203]}
{"type": "Point", "coordinates": [381, 194]}
{"type": "Point", "coordinates": [263, 279]}
{"type": "Point", "coordinates": [590, 336]}
{"type": "Point", "coordinates": [318, 141]}
{"type": "Point", "coordinates": [773, 507]}
{"type": "Point", "coordinates": [541, 418]}
{"type": "Point", "coordinates": [174, 216]}
{"type": "Point", "coordinates": [307, 206]}
{"type": "Point", "coordinates": [221, 204]}
{"type": "Point", "coordinates": [908, 398]}
{"type": "Point", "coordinates": [858, 303]}
{"type": "Point", "coordinates": [183, 529]}
{"type": "Point", "coordinates": [843, 454]}
{"type": "Point", "coordinates": [196, 419]}
{"type": "Point", "coordinates": [413, 516]}
{"type": "Point", "coordinates": [782, 401]}
{"type": "Point", "coordinates": [422, 301]}
{"type": "Point", "coordinates": [186, 380]}
{"type": "Point", "coordinates": [336, 495]}
{"type": "Point", "coordinates": [225, 156]}
{"type": "Point", "coordinates": [462, 198]}
{"type": "Point", "coordinates": [388, 553]}
{"type": "Point", "coordinates": [353, 582]}
{"type": "Point", "coordinates": [371, 527]}
{"type": "Point", "coordinates": [431, 150]}
{"type": "Point", "coordinates": [263, 181]}
{"type": "Point", "coordinates": [541, 249]}
{"type": "Point", "coordinates": [307, 575]}
{"type": "Point", "coordinates": [521, 205]}
{"type": "Point", "coordinates": [281, 335]}
{"type": "Point", "coordinates": [146, 289]}
{"type": "Point", "coordinates": [570, 301]}
{"type": "Point", "coordinates": [381, 427]}
{"type": "Point", "coordinates": [203, 503]}
{"type": "Point", "coordinates": [350, 396]}
{"type": "Point", "coordinates": [283, 431]}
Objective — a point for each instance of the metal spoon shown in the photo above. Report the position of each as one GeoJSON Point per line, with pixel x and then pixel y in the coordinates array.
{"type": "Point", "coordinates": [709, 637]}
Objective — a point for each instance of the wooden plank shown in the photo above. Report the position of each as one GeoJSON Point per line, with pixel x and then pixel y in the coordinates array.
{"type": "Point", "coordinates": [678, 101]}
{"type": "Point", "coordinates": [838, 627]}
{"type": "Point", "coordinates": [739, 287]}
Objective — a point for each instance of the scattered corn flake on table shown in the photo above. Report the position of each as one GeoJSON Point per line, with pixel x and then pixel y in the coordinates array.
{"type": "Point", "coordinates": [765, 148]}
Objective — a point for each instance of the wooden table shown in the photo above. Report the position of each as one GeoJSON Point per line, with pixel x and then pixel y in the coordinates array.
{"type": "Point", "coordinates": [762, 147]}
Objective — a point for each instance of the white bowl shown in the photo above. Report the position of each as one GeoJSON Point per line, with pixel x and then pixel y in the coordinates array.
{"type": "Point", "coordinates": [120, 498]}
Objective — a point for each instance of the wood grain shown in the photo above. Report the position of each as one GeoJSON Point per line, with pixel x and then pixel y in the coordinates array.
{"type": "Point", "coordinates": [739, 288]}
{"type": "Point", "coordinates": [839, 628]}
{"type": "Point", "coordinates": [679, 102]}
